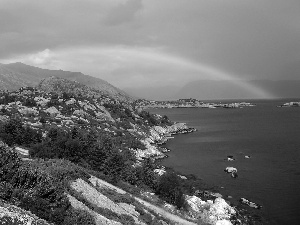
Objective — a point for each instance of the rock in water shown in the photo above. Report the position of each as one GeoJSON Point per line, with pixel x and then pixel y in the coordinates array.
{"type": "Point", "coordinates": [230, 170]}
{"type": "Point", "coordinates": [249, 203]}
{"type": "Point", "coordinates": [234, 175]}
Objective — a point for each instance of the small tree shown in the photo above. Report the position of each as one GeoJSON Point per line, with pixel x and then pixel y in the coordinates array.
{"type": "Point", "coordinates": [169, 189]}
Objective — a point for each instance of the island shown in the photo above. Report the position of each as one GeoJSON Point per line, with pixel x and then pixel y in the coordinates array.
{"type": "Point", "coordinates": [290, 104]}
{"type": "Point", "coordinates": [188, 103]}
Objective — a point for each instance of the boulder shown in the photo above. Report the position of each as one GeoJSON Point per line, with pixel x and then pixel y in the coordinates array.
{"type": "Point", "coordinates": [230, 170]}
{"type": "Point", "coordinates": [234, 175]}
{"type": "Point", "coordinates": [249, 203]}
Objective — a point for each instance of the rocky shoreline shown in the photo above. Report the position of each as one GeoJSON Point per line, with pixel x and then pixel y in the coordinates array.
{"type": "Point", "coordinates": [206, 206]}
{"type": "Point", "coordinates": [158, 136]}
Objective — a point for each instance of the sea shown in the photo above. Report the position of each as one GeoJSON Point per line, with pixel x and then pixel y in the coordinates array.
{"type": "Point", "coordinates": [268, 134]}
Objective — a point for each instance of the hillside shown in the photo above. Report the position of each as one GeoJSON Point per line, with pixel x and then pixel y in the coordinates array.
{"type": "Point", "coordinates": [16, 75]}
{"type": "Point", "coordinates": [62, 139]}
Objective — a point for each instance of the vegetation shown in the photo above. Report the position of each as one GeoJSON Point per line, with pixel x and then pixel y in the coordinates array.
{"type": "Point", "coordinates": [169, 188]}
{"type": "Point", "coordinates": [36, 187]}
{"type": "Point", "coordinates": [14, 133]}
{"type": "Point", "coordinates": [91, 150]}
{"type": "Point", "coordinates": [68, 134]}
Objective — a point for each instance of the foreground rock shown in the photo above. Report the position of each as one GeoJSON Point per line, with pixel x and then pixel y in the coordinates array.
{"type": "Point", "coordinates": [210, 212]}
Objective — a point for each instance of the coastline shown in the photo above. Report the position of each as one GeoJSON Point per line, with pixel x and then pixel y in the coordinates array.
{"type": "Point", "coordinates": [239, 215]}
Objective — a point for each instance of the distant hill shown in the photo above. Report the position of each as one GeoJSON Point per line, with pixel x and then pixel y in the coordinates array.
{"type": "Point", "coordinates": [210, 89]}
{"type": "Point", "coordinates": [153, 93]}
{"type": "Point", "coordinates": [218, 89]}
{"type": "Point", "coordinates": [281, 88]}
{"type": "Point", "coordinates": [16, 75]}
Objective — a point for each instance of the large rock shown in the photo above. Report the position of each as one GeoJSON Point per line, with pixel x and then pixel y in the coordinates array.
{"type": "Point", "coordinates": [210, 212]}
{"type": "Point", "coordinates": [231, 169]}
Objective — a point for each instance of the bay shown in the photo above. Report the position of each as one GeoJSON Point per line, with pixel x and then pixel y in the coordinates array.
{"type": "Point", "coordinates": [269, 135]}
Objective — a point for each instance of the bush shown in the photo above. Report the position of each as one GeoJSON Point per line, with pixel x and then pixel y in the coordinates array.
{"type": "Point", "coordinates": [169, 189]}
{"type": "Point", "coordinates": [9, 164]}
{"type": "Point", "coordinates": [33, 186]}
{"type": "Point", "coordinates": [13, 132]}
{"type": "Point", "coordinates": [6, 190]}
{"type": "Point", "coordinates": [78, 217]}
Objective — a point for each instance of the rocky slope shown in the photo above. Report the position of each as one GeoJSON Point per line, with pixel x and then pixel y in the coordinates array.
{"type": "Point", "coordinates": [61, 132]}
{"type": "Point", "coordinates": [16, 75]}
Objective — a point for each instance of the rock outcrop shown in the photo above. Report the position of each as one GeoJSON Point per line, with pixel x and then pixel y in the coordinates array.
{"type": "Point", "coordinates": [159, 135]}
{"type": "Point", "coordinates": [210, 212]}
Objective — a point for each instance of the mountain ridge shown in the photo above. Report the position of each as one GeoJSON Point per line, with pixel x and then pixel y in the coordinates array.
{"type": "Point", "coordinates": [16, 75]}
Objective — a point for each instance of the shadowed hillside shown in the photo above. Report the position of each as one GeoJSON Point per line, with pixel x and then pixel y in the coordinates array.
{"type": "Point", "coordinates": [17, 75]}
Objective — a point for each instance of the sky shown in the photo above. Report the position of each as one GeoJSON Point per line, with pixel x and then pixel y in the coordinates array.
{"type": "Point", "coordinates": [155, 43]}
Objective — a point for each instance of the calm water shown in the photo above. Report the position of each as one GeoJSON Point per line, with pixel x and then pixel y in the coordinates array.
{"type": "Point", "coordinates": [270, 135]}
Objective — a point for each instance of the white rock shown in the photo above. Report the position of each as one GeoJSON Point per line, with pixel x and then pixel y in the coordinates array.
{"type": "Point", "coordinates": [52, 111]}
{"type": "Point", "coordinates": [182, 177]}
{"type": "Point", "coordinates": [223, 222]}
{"type": "Point", "coordinates": [231, 170]}
{"type": "Point", "coordinates": [160, 171]}
{"type": "Point", "coordinates": [219, 211]}
{"type": "Point", "coordinates": [194, 203]}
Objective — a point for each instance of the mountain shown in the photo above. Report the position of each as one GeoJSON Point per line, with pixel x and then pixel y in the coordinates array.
{"type": "Point", "coordinates": [280, 88]}
{"type": "Point", "coordinates": [212, 89]}
{"type": "Point", "coordinates": [153, 93]}
{"type": "Point", "coordinates": [16, 75]}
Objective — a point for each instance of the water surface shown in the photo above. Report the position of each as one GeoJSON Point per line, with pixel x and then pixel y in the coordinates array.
{"type": "Point", "coordinates": [270, 135]}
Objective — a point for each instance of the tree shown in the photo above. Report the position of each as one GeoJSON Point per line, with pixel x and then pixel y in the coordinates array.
{"type": "Point", "coordinates": [169, 189]}
{"type": "Point", "coordinates": [145, 174]}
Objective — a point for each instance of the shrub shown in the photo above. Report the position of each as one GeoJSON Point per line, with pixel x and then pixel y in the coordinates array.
{"type": "Point", "coordinates": [9, 164]}
{"type": "Point", "coordinates": [169, 189]}
{"type": "Point", "coordinates": [13, 132]}
{"type": "Point", "coordinates": [78, 217]}
{"type": "Point", "coordinates": [6, 190]}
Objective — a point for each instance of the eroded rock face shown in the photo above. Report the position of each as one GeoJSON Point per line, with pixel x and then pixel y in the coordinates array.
{"type": "Point", "coordinates": [98, 199]}
{"type": "Point", "coordinates": [99, 219]}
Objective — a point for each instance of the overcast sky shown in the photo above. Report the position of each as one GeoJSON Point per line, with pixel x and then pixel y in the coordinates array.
{"type": "Point", "coordinates": [155, 42]}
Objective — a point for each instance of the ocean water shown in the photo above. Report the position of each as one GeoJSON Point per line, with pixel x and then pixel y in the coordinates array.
{"type": "Point", "coordinates": [269, 135]}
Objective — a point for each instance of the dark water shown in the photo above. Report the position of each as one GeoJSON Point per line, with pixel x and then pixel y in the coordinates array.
{"type": "Point", "coordinates": [270, 135]}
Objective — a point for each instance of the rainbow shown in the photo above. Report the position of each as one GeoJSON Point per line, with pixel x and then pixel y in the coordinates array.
{"type": "Point", "coordinates": [212, 72]}
{"type": "Point", "coordinates": [107, 59]}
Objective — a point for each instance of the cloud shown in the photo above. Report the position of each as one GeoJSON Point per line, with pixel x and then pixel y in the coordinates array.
{"type": "Point", "coordinates": [123, 12]}
{"type": "Point", "coordinates": [41, 58]}
{"type": "Point", "coordinates": [124, 66]}
{"type": "Point", "coordinates": [44, 59]}
{"type": "Point", "coordinates": [250, 39]}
